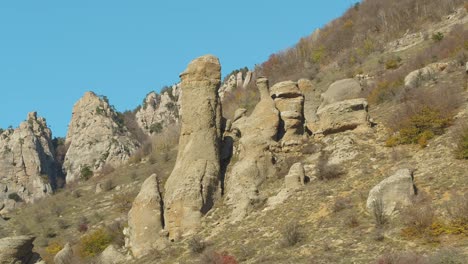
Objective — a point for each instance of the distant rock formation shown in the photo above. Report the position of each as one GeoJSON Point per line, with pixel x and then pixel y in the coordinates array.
{"type": "Point", "coordinates": [18, 250]}
{"type": "Point", "coordinates": [240, 80]}
{"type": "Point", "coordinates": [414, 78]}
{"type": "Point", "coordinates": [253, 135]}
{"type": "Point", "coordinates": [191, 187]}
{"type": "Point", "coordinates": [97, 136]}
{"type": "Point", "coordinates": [159, 111]}
{"type": "Point", "coordinates": [27, 163]}
{"type": "Point", "coordinates": [341, 90]}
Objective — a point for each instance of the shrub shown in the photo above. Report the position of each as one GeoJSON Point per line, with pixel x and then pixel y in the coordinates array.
{"type": "Point", "coordinates": [341, 203]}
{"type": "Point", "coordinates": [291, 234]}
{"type": "Point", "coordinates": [218, 258]}
{"type": "Point", "coordinates": [156, 128]}
{"type": "Point", "coordinates": [418, 218]}
{"type": "Point", "coordinates": [420, 127]}
{"type": "Point", "coordinates": [196, 244]}
{"type": "Point", "coordinates": [461, 151]}
{"type": "Point", "coordinates": [15, 197]}
{"type": "Point", "coordinates": [123, 201]}
{"type": "Point", "coordinates": [392, 63]}
{"type": "Point", "coordinates": [83, 224]}
{"type": "Point", "coordinates": [327, 171]}
{"type": "Point", "coordinates": [53, 248]}
{"type": "Point", "coordinates": [379, 213]}
{"type": "Point", "coordinates": [94, 243]}
{"type": "Point", "coordinates": [108, 185]}
{"type": "Point", "coordinates": [62, 224]}
{"type": "Point", "coordinates": [401, 258]}
{"type": "Point", "coordinates": [437, 37]}
{"type": "Point", "coordinates": [457, 208]}
{"type": "Point", "coordinates": [86, 173]}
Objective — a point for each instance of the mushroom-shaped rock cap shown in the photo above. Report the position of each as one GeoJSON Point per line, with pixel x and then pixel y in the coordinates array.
{"type": "Point", "coordinates": [285, 89]}
{"type": "Point", "coordinates": [202, 69]}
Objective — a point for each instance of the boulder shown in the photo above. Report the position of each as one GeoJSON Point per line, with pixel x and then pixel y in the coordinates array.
{"type": "Point", "coordinates": [159, 111]}
{"type": "Point", "coordinates": [253, 135]}
{"type": "Point", "coordinates": [111, 255]}
{"type": "Point", "coordinates": [289, 100]}
{"type": "Point", "coordinates": [341, 116]}
{"type": "Point", "coordinates": [27, 162]}
{"type": "Point", "coordinates": [17, 250]}
{"type": "Point", "coordinates": [192, 186]}
{"type": "Point", "coordinates": [396, 190]}
{"type": "Point", "coordinates": [64, 256]}
{"type": "Point", "coordinates": [145, 219]}
{"type": "Point", "coordinates": [341, 90]}
{"type": "Point", "coordinates": [96, 136]}
{"type": "Point", "coordinates": [305, 85]}
{"type": "Point", "coordinates": [414, 78]}
{"type": "Point", "coordinates": [295, 178]}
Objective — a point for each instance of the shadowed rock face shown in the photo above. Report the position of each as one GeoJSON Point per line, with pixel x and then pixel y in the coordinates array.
{"type": "Point", "coordinates": [191, 187]}
{"type": "Point", "coordinates": [257, 133]}
{"type": "Point", "coordinates": [97, 136]}
{"type": "Point", "coordinates": [17, 250]}
{"type": "Point", "coordinates": [27, 163]}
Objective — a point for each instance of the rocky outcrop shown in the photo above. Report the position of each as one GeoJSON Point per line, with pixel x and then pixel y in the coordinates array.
{"type": "Point", "coordinates": [159, 111]}
{"type": "Point", "coordinates": [191, 187]}
{"type": "Point", "coordinates": [240, 80]}
{"type": "Point", "coordinates": [341, 90]}
{"type": "Point", "coordinates": [64, 256]}
{"type": "Point", "coordinates": [112, 256]}
{"type": "Point", "coordinates": [414, 78]}
{"type": "Point", "coordinates": [396, 190]}
{"type": "Point", "coordinates": [289, 100]}
{"type": "Point", "coordinates": [296, 177]}
{"type": "Point", "coordinates": [27, 164]}
{"type": "Point", "coordinates": [342, 116]}
{"type": "Point", "coordinates": [15, 250]}
{"type": "Point", "coordinates": [97, 136]}
{"type": "Point", "coordinates": [145, 219]}
{"type": "Point", "coordinates": [253, 136]}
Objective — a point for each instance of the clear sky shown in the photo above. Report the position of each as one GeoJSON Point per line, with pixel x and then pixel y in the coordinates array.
{"type": "Point", "coordinates": [52, 51]}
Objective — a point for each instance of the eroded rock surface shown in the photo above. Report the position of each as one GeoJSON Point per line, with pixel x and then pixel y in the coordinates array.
{"type": "Point", "coordinates": [341, 90]}
{"type": "Point", "coordinates": [159, 111]}
{"type": "Point", "coordinates": [396, 190]}
{"type": "Point", "coordinates": [18, 249]}
{"type": "Point", "coordinates": [253, 135]}
{"type": "Point", "coordinates": [191, 187]}
{"type": "Point", "coordinates": [97, 136]}
{"type": "Point", "coordinates": [64, 256]}
{"type": "Point", "coordinates": [27, 164]}
{"type": "Point", "coordinates": [145, 219]}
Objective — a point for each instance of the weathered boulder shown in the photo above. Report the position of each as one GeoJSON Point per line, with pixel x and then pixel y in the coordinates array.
{"type": "Point", "coordinates": [145, 219]}
{"type": "Point", "coordinates": [396, 190]}
{"type": "Point", "coordinates": [341, 90]}
{"type": "Point", "coordinates": [414, 78]}
{"type": "Point", "coordinates": [16, 250]}
{"type": "Point", "coordinates": [64, 256]}
{"type": "Point", "coordinates": [159, 111]}
{"type": "Point", "coordinates": [27, 162]}
{"type": "Point", "coordinates": [97, 136]}
{"type": "Point", "coordinates": [257, 133]}
{"type": "Point", "coordinates": [289, 100]}
{"type": "Point", "coordinates": [341, 116]}
{"type": "Point", "coordinates": [112, 256]}
{"type": "Point", "coordinates": [296, 177]}
{"type": "Point", "coordinates": [192, 185]}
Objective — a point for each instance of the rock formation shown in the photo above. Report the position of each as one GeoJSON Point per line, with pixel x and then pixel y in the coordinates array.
{"type": "Point", "coordinates": [145, 219]}
{"type": "Point", "coordinates": [97, 136]}
{"type": "Point", "coordinates": [17, 250]}
{"type": "Point", "coordinates": [395, 190]}
{"type": "Point", "coordinates": [296, 177]}
{"type": "Point", "coordinates": [64, 256]}
{"type": "Point", "coordinates": [341, 90]}
{"type": "Point", "coordinates": [27, 163]}
{"type": "Point", "coordinates": [342, 116]}
{"type": "Point", "coordinates": [235, 81]}
{"type": "Point", "coordinates": [289, 100]}
{"type": "Point", "coordinates": [112, 256]}
{"type": "Point", "coordinates": [253, 135]}
{"type": "Point", "coordinates": [191, 187]}
{"type": "Point", "coordinates": [414, 78]}
{"type": "Point", "coordinates": [159, 111]}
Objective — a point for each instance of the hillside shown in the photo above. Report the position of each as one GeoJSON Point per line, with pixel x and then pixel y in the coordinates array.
{"type": "Point", "coordinates": [350, 147]}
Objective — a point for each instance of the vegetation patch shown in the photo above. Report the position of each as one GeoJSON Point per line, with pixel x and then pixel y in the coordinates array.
{"type": "Point", "coordinates": [94, 243]}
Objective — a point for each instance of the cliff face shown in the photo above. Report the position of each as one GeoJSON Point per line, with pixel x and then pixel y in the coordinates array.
{"type": "Point", "coordinates": [97, 136]}
{"type": "Point", "coordinates": [27, 164]}
{"type": "Point", "coordinates": [159, 111]}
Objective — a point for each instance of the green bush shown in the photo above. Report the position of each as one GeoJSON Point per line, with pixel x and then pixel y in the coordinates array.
{"type": "Point", "coordinates": [15, 197]}
{"type": "Point", "coordinates": [94, 243]}
{"type": "Point", "coordinates": [420, 127]}
{"type": "Point", "coordinates": [437, 36]}
{"type": "Point", "coordinates": [156, 128]}
{"type": "Point", "coordinates": [462, 145]}
{"type": "Point", "coordinates": [86, 173]}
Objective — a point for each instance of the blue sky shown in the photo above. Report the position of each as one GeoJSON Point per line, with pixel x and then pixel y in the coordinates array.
{"type": "Point", "coordinates": [51, 52]}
